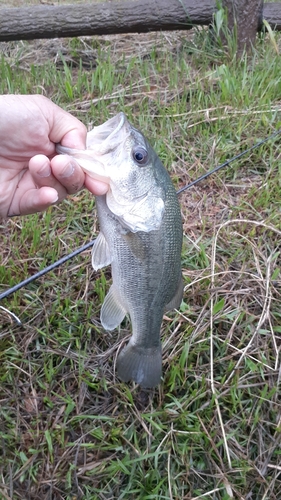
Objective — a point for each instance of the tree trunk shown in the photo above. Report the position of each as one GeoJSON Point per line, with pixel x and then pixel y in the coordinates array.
{"type": "Point", "coordinates": [46, 21]}
{"type": "Point", "coordinates": [139, 16]}
{"type": "Point", "coordinates": [244, 18]}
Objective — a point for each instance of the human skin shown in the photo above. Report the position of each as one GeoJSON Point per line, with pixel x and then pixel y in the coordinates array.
{"type": "Point", "coordinates": [32, 175]}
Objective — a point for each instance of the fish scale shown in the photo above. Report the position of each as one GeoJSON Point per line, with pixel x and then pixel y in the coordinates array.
{"type": "Point", "coordinates": [146, 271]}
{"type": "Point", "coordinates": [140, 236]}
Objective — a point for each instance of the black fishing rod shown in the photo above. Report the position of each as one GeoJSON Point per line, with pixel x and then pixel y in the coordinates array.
{"type": "Point", "coordinates": [91, 243]}
{"type": "Point", "coordinates": [219, 167]}
{"type": "Point", "coordinates": [46, 270]}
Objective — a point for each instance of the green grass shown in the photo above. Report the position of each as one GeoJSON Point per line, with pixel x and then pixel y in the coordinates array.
{"type": "Point", "coordinates": [68, 428]}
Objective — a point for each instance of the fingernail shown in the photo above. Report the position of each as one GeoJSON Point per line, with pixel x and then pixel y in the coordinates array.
{"type": "Point", "coordinates": [68, 170]}
{"type": "Point", "coordinates": [44, 171]}
{"type": "Point", "coordinates": [55, 199]}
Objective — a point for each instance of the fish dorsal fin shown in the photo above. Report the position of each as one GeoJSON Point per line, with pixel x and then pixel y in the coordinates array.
{"type": "Point", "coordinates": [101, 255]}
{"type": "Point", "coordinates": [177, 298]}
{"type": "Point", "coordinates": [112, 311]}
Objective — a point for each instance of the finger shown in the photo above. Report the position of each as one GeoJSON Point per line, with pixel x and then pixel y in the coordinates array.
{"type": "Point", "coordinates": [65, 128]}
{"type": "Point", "coordinates": [33, 200]}
{"type": "Point", "coordinates": [68, 173]}
{"type": "Point", "coordinates": [61, 173]}
{"type": "Point", "coordinates": [98, 188]}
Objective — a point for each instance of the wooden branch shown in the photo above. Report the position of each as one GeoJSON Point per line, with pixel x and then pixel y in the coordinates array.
{"type": "Point", "coordinates": [46, 21]}
{"type": "Point", "coordinates": [272, 14]}
{"type": "Point", "coordinates": [139, 16]}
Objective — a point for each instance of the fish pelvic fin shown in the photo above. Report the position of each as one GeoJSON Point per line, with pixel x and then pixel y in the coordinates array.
{"type": "Point", "coordinates": [143, 365]}
{"type": "Point", "coordinates": [101, 256]}
{"type": "Point", "coordinates": [112, 311]}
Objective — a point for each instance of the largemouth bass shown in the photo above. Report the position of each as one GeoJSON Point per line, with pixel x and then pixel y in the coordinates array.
{"type": "Point", "coordinates": [140, 236]}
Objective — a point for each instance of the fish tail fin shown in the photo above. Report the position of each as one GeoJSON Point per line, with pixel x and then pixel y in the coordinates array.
{"type": "Point", "coordinates": [143, 365]}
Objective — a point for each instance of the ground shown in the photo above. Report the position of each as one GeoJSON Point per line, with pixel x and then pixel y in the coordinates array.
{"type": "Point", "coordinates": [69, 428]}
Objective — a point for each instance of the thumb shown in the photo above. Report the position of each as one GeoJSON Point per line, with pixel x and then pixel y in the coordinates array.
{"type": "Point", "coordinates": [65, 128]}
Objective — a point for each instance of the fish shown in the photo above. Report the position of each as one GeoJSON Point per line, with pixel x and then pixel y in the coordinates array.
{"type": "Point", "coordinates": [140, 237]}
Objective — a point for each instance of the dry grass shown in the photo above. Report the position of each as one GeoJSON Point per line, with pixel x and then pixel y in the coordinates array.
{"type": "Point", "coordinates": [69, 429]}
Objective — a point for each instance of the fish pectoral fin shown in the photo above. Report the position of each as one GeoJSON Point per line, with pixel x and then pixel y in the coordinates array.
{"type": "Point", "coordinates": [101, 255]}
{"type": "Point", "coordinates": [112, 311]}
{"type": "Point", "coordinates": [177, 298]}
{"type": "Point", "coordinates": [136, 245]}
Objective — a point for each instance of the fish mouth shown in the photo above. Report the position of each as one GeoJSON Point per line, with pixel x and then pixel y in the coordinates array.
{"type": "Point", "coordinates": [106, 137]}
{"type": "Point", "coordinates": [101, 140]}
{"type": "Point", "coordinates": [107, 146]}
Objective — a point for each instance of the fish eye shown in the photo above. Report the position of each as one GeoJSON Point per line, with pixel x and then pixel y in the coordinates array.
{"type": "Point", "coordinates": [140, 155]}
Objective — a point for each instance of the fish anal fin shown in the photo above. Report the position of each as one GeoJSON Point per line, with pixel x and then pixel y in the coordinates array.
{"type": "Point", "coordinates": [101, 256]}
{"type": "Point", "coordinates": [112, 311]}
{"type": "Point", "coordinates": [143, 365]}
{"type": "Point", "coordinates": [175, 302]}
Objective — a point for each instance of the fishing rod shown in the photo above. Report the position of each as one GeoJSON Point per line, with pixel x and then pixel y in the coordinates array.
{"type": "Point", "coordinates": [79, 250]}
{"type": "Point", "coordinates": [227, 162]}
{"type": "Point", "coordinates": [46, 270]}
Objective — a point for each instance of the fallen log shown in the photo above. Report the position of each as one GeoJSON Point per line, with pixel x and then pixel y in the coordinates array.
{"type": "Point", "coordinates": [47, 21]}
{"type": "Point", "coordinates": [139, 16]}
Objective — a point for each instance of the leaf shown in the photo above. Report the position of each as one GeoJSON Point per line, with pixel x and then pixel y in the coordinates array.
{"type": "Point", "coordinates": [271, 35]}
{"type": "Point", "coordinates": [49, 441]}
{"type": "Point", "coordinates": [218, 306]}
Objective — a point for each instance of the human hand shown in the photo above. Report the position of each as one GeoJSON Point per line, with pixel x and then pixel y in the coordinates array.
{"type": "Point", "coordinates": [32, 176]}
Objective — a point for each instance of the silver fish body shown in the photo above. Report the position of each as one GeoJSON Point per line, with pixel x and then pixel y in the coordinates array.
{"type": "Point", "coordinates": [141, 238]}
